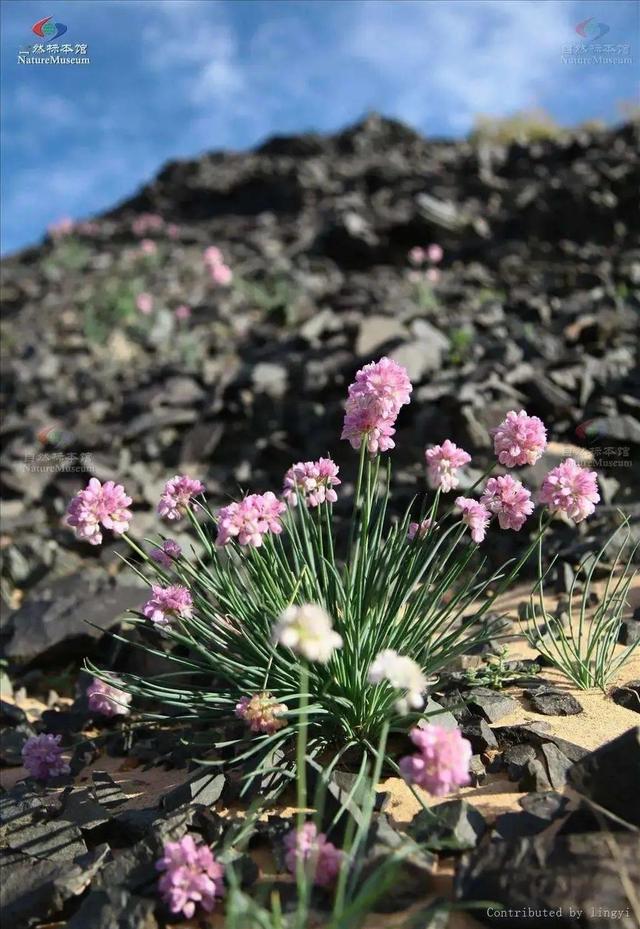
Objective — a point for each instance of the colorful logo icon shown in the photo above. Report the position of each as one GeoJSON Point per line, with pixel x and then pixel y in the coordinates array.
{"type": "Point", "coordinates": [53, 437]}
{"type": "Point", "coordinates": [591, 31]}
{"type": "Point", "coordinates": [45, 29]}
{"type": "Point", "coordinates": [588, 430]}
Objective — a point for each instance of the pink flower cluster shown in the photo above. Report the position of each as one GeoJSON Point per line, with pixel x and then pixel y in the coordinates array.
{"type": "Point", "coordinates": [148, 247]}
{"type": "Point", "coordinates": [182, 312]}
{"type": "Point", "coordinates": [176, 496]}
{"type": "Point", "coordinates": [570, 489]}
{"type": "Point", "coordinates": [165, 555]}
{"type": "Point", "coordinates": [107, 700]}
{"type": "Point", "coordinates": [167, 603]}
{"type": "Point", "coordinates": [321, 859]}
{"type": "Point", "coordinates": [192, 876]}
{"type": "Point", "coordinates": [432, 253]}
{"type": "Point", "coordinates": [42, 757]}
{"type": "Point", "coordinates": [509, 500]}
{"type": "Point", "coordinates": [220, 272]}
{"type": "Point", "coordinates": [144, 303]}
{"type": "Point", "coordinates": [313, 480]}
{"type": "Point", "coordinates": [147, 222]}
{"type": "Point", "coordinates": [475, 516]}
{"type": "Point", "coordinates": [61, 227]}
{"type": "Point", "coordinates": [443, 463]}
{"type": "Point", "coordinates": [99, 505]}
{"type": "Point", "coordinates": [519, 440]}
{"type": "Point", "coordinates": [373, 404]}
{"type": "Point", "coordinates": [261, 713]}
{"type": "Point", "coordinates": [442, 761]}
{"type": "Point", "coordinates": [250, 519]}
{"type": "Point", "coordinates": [419, 529]}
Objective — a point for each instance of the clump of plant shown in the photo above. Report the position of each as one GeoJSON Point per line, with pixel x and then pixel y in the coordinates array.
{"type": "Point", "coordinates": [424, 273]}
{"type": "Point", "coordinates": [269, 596]}
{"type": "Point", "coordinates": [497, 672]}
{"type": "Point", "coordinates": [585, 648]}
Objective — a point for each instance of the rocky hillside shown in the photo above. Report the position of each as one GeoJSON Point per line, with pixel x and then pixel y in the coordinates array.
{"type": "Point", "coordinates": [535, 305]}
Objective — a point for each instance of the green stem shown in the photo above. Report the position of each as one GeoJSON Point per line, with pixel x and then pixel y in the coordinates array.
{"type": "Point", "coordinates": [301, 785]}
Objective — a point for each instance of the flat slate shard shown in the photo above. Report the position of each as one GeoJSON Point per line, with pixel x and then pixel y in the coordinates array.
{"type": "Point", "coordinates": [491, 704]}
{"type": "Point", "coordinates": [106, 791]}
{"type": "Point", "coordinates": [57, 840]}
{"type": "Point", "coordinates": [627, 695]}
{"type": "Point", "coordinates": [557, 765]}
{"type": "Point", "coordinates": [81, 808]}
{"type": "Point", "coordinates": [205, 789]}
{"type": "Point", "coordinates": [532, 874]}
{"type": "Point", "coordinates": [453, 825]}
{"type": "Point", "coordinates": [114, 909]}
{"type": "Point", "coordinates": [413, 875]}
{"type": "Point", "coordinates": [610, 776]}
{"type": "Point", "coordinates": [553, 702]}
{"type": "Point", "coordinates": [478, 732]}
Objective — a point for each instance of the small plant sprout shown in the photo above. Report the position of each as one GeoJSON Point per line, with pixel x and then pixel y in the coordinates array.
{"type": "Point", "coordinates": [586, 648]}
{"type": "Point", "coordinates": [273, 616]}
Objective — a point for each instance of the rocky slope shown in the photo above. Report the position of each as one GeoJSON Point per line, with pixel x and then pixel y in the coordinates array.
{"type": "Point", "coordinates": [535, 307]}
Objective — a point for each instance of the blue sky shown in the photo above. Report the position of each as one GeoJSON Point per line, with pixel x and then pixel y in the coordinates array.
{"type": "Point", "coordinates": [172, 78]}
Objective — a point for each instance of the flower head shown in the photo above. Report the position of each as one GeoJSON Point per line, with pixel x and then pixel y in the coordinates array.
{"type": "Point", "coordinates": [261, 713]}
{"type": "Point", "coordinates": [321, 859]}
{"type": "Point", "coordinates": [182, 312]}
{"type": "Point", "coordinates": [419, 529]}
{"type": "Point", "coordinates": [176, 496]}
{"type": "Point", "coordinates": [165, 555]}
{"type": "Point", "coordinates": [417, 255]}
{"type": "Point", "coordinates": [250, 519]}
{"type": "Point", "coordinates": [373, 404]}
{"type": "Point", "coordinates": [148, 247]}
{"type": "Point", "coordinates": [475, 515]}
{"type": "Point", "coordinates": [144, 303]}
{"type": "Point", "coordinates": [435, 253]}
{"type": "Point", "coordinates": [213, 256]}
{"type": "Point", "coordinates": [61, 227]}
{"type": "Point", "coordinates": [432, 275]}
{"type": "Point", "coordinates": [99, 505]}
{"type": "Point", "coordinates": [42, 757]}
{"type": "Point", "coordinates": [520, 439]}
{"type": "Point", "coordinates": [221, 274]}
{"type": "Point", "coordinates": [167, 603]}
{"type": "Point", "coordinates": [570, 489]}
{"type": "Point", "coordinates": [192, 876]}
{"type": "Point", "coordinates": [443, 463]}
{"type": "Point", "coordinates": [402, 673]}
{"type": "Point", "coordinates": [308, 630]}
{"type": "Point", "coordinates": [442, 761]}
{"type": "Point", "coordinates": [509, 500]}
{"type": "Point", "coordinates": [313, 480]}
{"type": "Point", "coordinates": [107, 700]}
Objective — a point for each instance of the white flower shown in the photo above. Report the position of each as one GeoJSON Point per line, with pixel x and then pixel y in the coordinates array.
{"type": "Point", "coordinates": [308, 630]}
{"type": "Point", "coordinates": [402, 673]}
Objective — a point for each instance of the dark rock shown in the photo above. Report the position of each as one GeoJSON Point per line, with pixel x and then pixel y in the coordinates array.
{"type": "Point", "coordinates": [453, 826]}
{"type": "Point", "coordinates": [491, 704]}
{"type": "Point", "coordinates": [114, 908]}
{"type": "Point", "coordinates": [11, 743]}
{"type": "Point", "coordinates": [610, 776]}
{"type": "Point", "coordinates": [80, 807]}
{"type": "Point", "coordinates": [106, 791]}
{"type": "Point", "coordinates": [57, 840]}
{"type": "Point", "coordinates": [552, 702]}
{"type": "Point", "coordinates": [479, 734]}
{"type": "Point", "coordinates": [516, 758]}
{"type": "Point", "coordinates": [11, 714]}
{"type": "Point", "coordinates": [548, 806]}
{"type": "Point", "coordinates": [627, 695]}
{"type": "Point", "coordinates": [205, 789]}
{"type": "Point", "coordinates": [412, 875]}
{"type": "Point", "coordinates": [532, 874]}
{"type": "Point", "coordinates": [477, 771]}
{"type": "Point", "coordinates": [629, 632]}
{"type": "Point", "coordinates": [535, 777]}
{"type": "Point", "coordinates": [557, 765]}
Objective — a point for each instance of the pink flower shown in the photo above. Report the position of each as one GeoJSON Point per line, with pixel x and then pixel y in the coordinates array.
{"type": "Point", "coordinates": [107, 700]}
{"type": "Point", "coordinates": [173, 231]}
{"type": "Point", "coordinates": [148, 247]}
{"type": "Point", "coordinates": [570, 489]}
{"type": "Point", "coordinates": [475, 516]}
{"type": "Point", "coordinates": [442, 761]}
{"type": "Point", "coordinates": [182, 312]}
{"type": "Point", "coordinates": [250, 519]}
{"type": "Point", "coordinates": [98, 505]}
{"type": "Point", "coordinates": [261, 713]}
{"type": "Point", "coordinates": [443, 462]}
{"type": "Point", "coordinates": [61, 227]}
{"type": "Point", "coordinates": [519, 440]}
{"type": "Point", "coordinates": [167, 603]}
{"type": "Point", "coordinates": [321, 858]}
{"type": "Point", "coordinates": [435, 254]}
{"type": "Point", "coordinates": [313, 480]}
{"type": "Point", "coordinates": [213, 256]}
{"type": "Point", "coordinates": [165, 555]}
{"type": "Point", "coordinates": [147, 222]}
{"type": "Point", "coordinates": [433, 275]}
{"type": "Point", "coordinates": [417, 255]}
{"type": "Point", "coordinates": [509, 500]}
{"type": "Point", "coordinates": [221, 274]}
{"type": "Point", "coordinates": [373, 404]}
{"type": "Point", "coordinates": [175, 499]}
{"type": "Point", "coordinates": [144, 303]}
{"type": "Point", "coordinates": [42, 757]}
{"type": "Point", "coordinates": [419, 529]}
{"type": "Point", "coordinates": [192, 876]}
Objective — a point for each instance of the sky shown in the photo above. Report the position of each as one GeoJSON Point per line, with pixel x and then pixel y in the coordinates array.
{"type": "Point", "coordinates": [173, 78]}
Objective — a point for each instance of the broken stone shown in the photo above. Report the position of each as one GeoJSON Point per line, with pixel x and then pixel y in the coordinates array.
{"type": "Point", "coordinates": [553, 702]}
{"type": "Point", "coordinates": [627, 695]}
{"type": "Point", "coordinates": [610, 776]}
{"type": "Point", "coordinates": [491, 704]}
{"type": "Point", "coordinates": [205, 789]}
{"type": "Point", "coordinates": [454, 825]}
